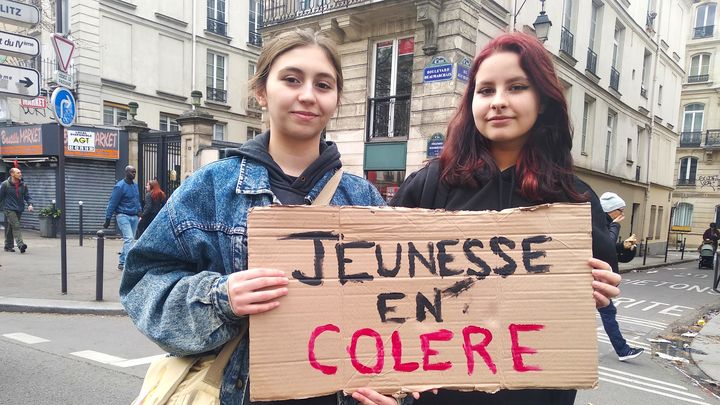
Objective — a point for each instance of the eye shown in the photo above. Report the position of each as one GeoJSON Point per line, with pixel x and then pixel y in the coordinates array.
{"type": "Point", "coordinates": [325, 86]}
{"type": "Point", "coordinates": [519, 87]}
{"type": "Point", "coordinates": [291, 79]}
{"type": "Point", "coordinates": [485, 91]}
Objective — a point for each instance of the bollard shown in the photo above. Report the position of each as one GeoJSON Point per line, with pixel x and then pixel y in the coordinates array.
{"type": "Point", "coordinates": [53, 204]}
{"type": "Point", "coordinates": [80, 219]}
{"type": "Point", "coordinates": [99, 266]}
{"type": "Point", "coordinates": [645, 252]}
{"type": "Point", "coordinates": [682, 249]}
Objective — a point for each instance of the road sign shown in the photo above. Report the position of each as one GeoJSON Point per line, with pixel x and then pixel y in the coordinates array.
{"type": "Point", "coordinates": [64, 49]}
{"type": "Point", "coordinates": [18, 13]}
{"type": "Point", "coordinates": [63, 104]}
{"type": "Point", "coordinates": [64, 79]}
{"type": "Point", "coordinates": [18, 45]}
{"type": "Point", "coordinates": [19, 81]}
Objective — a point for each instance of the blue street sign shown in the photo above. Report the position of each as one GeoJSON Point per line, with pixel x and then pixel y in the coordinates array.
{"type": "Point", "coordinates": [439, 73]}
{"type": "Point", "coordinates": [435, 145]}
{"type": "Point", "coordinates": [463, 73]}
{"type": "Point", "coordinates": [64, 106]}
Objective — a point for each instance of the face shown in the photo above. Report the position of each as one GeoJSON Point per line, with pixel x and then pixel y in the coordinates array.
{"type": "Point", "coordinates": [300, 93]}
{"type": "Point", "coordinates": [147, 186]}
{"type": "Point", "coordinates": [16, 174]}
{"type": "Point", "coordinates": [616, 213]}
{"type": "Point", "coordinates": [505, 104]}
{"type": "Point", "coordinates": [130, 172]}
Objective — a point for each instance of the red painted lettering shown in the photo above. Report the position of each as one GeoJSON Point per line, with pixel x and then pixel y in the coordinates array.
{"type": "Point", "coordinates": [397, 356]}
{"type": "Point", "coordinates": [443, 335]}
{"type": "Point", "coordinates": [328, 370]}
{"type": "Point", "coordinates": [380, 352]}
{"type": "Point", "coordinates": [480, 348]}
{"type": "Point", "coordinates": [517, 350]}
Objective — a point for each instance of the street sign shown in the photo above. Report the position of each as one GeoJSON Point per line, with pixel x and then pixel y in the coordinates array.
{"type": "Point", "coordinates": [19, 81]}
{"type": "Point", "coordinates": [18, 13]}
{"type": "Point", "coordinates": [18, 45]}
{"type": "Point", "coordinates": [63, 104]}
{"type": "Point", "coordinates": [439, 70]}
{"type": "Point", "coordinates": [64, 49]}
{"type": "Point", "coordinates": [63, 79]}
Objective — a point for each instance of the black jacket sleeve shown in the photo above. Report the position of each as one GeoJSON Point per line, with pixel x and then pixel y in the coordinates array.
{"type": "Point", "coordinates": [624, 255]}
{"type": "Point", "coordinates": [603, 247]}
{"type": "Point", "coordinates": [614, 229]}
{"type": "Point", "coordinates": [421, 189]}
{"type": "Point", "coordinates": [148, 205]}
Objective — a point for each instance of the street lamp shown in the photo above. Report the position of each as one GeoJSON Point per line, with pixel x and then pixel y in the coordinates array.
{"type": "Point", "coordinates": [195, 97]}
{"type": "Point", "coordinates": [132, 107]}
{"type": "Point", "coordinates": [542, 24]}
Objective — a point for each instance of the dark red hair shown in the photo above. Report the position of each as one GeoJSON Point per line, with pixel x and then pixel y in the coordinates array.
{"type": "Point", "coordinates": [156, 192]}
{"type": "Point", "coordinates": [545, 166]}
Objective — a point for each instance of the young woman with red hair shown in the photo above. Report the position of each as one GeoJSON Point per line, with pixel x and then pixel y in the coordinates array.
{"type": "Point", "coordinates": [508, 145]}
{"type": "Point", "coordinates": [154, 200]}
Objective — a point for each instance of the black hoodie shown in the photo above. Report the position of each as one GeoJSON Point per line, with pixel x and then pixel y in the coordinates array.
{"type": "Point", "coordinates": [288, 189]}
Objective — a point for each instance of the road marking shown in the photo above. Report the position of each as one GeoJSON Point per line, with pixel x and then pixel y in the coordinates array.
{"type": "Point", "coordinates": [662, 388]}
{"type": "Point", "coordinates": [604, 339]}
{"type": "Point", "coordinates": [25, 338]}
{"type": "Point", "coordinates": [638, 321]}
{"type": "Point", "coordinates": [97, 356]}
{"type": "Point", "coordinates": [137, 362]}
{"type": "Point", "coordinates": [608, 371]}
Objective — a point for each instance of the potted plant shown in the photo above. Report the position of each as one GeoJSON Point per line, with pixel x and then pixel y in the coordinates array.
{"type": "Point", "coordinates": [48, 219]}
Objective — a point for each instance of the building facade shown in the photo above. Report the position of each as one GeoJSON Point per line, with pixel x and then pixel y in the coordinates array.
{"type": "Point", "coordinates": [697, 166]}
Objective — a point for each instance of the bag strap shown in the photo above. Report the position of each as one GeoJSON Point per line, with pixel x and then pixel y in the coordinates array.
{"type": "Point", "coordinates": [326, 194]}
{"type": "Point", "coordinates": [217, 369]}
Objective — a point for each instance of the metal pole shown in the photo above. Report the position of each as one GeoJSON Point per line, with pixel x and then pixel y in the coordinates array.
{"type": "Point", "coordinates": [99, 266]}
{"type": "Point", "coordinates": [682, 249]}
{"type": "Point", "coordinates": [667, 241]}
{"type": "Point", "coordinates": [645, 252]}
{"type": "Point", "coordinates": [61, 196]}
{"type": "Point", "coordinates": [80, 219]}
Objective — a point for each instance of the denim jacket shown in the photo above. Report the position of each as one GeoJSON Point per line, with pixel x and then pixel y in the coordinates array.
{"type": "Point", "coordinates": [174, 286]}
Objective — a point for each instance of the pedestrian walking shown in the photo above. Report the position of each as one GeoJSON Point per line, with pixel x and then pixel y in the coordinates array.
{"type": "Point", "coordinates": [125, 205]}
{"type": "Point", "coordinates": [154, 200]}
{"type": "Point", "coordinates": [14, 194]}
{"type": "Point", "coordinates": [186, 283]}
{"type": "Point", "coordinates": [614, 208]}
{"type": "Point", "coordinates": [508, 145]}
{"type": "Point", "coordinates": [712, 234]}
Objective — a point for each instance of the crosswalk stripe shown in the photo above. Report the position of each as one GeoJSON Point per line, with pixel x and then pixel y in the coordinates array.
{"type": "Point", "coordinates": [97, 356]}
{"type": "Point", "coordinates": [645, 346]}
{"type": "Point", "coordinates": [637, 381]}
{"type": "Point", "coordinates": [639, 321]}
{"type": "Point", "coordinates": [137, 362]}
{"type": "Point", "coordinates": [664, 394]}
{"type": "Point", "coordinates": [25, 338]}
{"type": "Point", "coordinates": [612, 370]}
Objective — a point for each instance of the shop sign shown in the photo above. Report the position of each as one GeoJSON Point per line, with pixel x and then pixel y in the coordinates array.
{"type": "Point", "coordinates": [21, 141]}
{"type": "Point", "coordinates": [439, 70]}
{"type": "Point", "coordinates": [82, 141]}
{"type": "Point", "coordinates": [93, 143]}
{"type": "Point", "coordinates": [435, 145]}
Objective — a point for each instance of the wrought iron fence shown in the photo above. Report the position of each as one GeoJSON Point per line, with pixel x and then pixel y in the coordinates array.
{"type": "Point", "coordinates": [566, 41]}
{"type": "Point", "coordinates": [643, 92]}
{"type": "Point", "coordinates": [712, 138]}
{"type": "Point", "coordinates": [690, 139]}
{"type": "Point", "coordinates": [591, 64]}
{"type": "Point", "coordinates": [255, 38]}
{"type": "Point", "coordinates": [217, 26]}
{"type": "Point", "coordinates": [252, 104]}
{"type": "Point", "coordinates": [279, 11]}
{"type": "Point", "coordinates": [214, 94]}
{"type": "Point", "coordinates": [703, 32]}
{"type": "Point", "coordinates": [614, 78]}
{"type": "Point", "coordinates": [686, 182]}
{"type": "Point", "coordinates": [379, 113]}
{"type": "Point", "coordinates": [698, 78]}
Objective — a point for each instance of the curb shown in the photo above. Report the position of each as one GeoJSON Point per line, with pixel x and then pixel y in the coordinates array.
{"type": "Point", "coordinates": [66, 307]}
{"type": "Point", "coordinates": [655, 265]}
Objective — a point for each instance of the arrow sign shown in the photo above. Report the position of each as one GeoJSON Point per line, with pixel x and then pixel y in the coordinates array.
{"type": "Point", "coordinates": [18, 45]}
{"type": "Point", "coordinates": [18, 13]}
{"type": "Point", "coordinates": [64, 49]}
{"type": "Point", "coordinates": [20, 82]}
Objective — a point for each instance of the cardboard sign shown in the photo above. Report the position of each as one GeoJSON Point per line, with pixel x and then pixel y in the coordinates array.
{"type": "Point", "coordinates": [402, 300]}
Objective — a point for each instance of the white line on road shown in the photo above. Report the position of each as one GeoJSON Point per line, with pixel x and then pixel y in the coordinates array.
{"type": "Point", "coordinates": [137, 362]}
{"type": "Point", "coordinates": [639, 321]}
{"type": "Point", "coordinates": [604, 339]}
{"type": "Point", "coordinates": [25, 338]}
{"type": "Point", "coordinates": [97, 356]}
{"type": "Point", "coordinates": [637, 381]}
{"type": "Point", "coordinates": [616, 371]}
{"type": "Point", "coordinates": [692, 401]}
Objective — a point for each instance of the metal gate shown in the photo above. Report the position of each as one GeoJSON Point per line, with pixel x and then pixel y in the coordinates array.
{"type": "Point", "coordinates": [159, 158]}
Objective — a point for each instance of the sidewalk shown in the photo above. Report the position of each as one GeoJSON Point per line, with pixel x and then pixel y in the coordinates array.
{"type": "Point", "coordinates": [30, 282]}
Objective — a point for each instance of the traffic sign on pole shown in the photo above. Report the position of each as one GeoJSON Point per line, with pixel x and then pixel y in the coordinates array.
{"type": "Point", "coordinates": [18, 45]}
{"type": "Point", "coordinates": [63, 104]}
{"type": "Point", "coordinates": [19, 81]}
{"type": "Point", "coordinates": [64, 49]}
{"type": "Point", "coordinates": [18, 13]}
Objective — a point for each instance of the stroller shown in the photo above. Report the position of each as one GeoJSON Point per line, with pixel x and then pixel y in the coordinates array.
{"type": "Point", "coordinates": [707, 254]}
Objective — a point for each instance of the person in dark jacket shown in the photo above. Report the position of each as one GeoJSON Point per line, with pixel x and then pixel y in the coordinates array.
{"type": "Point", "coordinates": [125, 204]}
{"type": "Point", "coordinates": [508, 145]}
{"type": "Point", "coordinates": [712, 234]}
{"type": "Point", "coordinates": [154, 200]}
{"type": "Point", "coordinates": [13, 196]}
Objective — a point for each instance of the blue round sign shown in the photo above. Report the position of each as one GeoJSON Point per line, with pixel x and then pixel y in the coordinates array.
{"type": "Point", "coordinates": [64, 106]}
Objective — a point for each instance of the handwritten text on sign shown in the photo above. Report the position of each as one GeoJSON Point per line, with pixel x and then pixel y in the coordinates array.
{"type": "Point", "coordinates": [400, 299]}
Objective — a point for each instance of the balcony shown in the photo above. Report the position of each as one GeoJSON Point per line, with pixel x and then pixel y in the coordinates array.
{"type": "Point", "coordinates": [712, 139]}
{"type": "Point", "coordinates": [279, 11]}
{"type": "Point", "coordinates": [218, 95]}
{"type": "Point", "coordinates": [566, 41]}
{"type": "Point", "coordinates": [690, 139]}
{"type": "Point", "coordinates": [255, 38]}
{"type": "Point", "coordinates": [253, 104]}
{"type": "Point", "coordinates": [217, 26]}
{"type": "Point", "coordinates": [643, 92]}
{"type": "Point", "coordinates": [703, 32]}
{"type": "Point", "coordinates": [686, 182]}
{"type": "Point", "coordinates": [591, 65]}
{"type": "Point", "coordinates": [379, 117]}
{"type": "Point", "coordinates": [698, 78]}
{"type": "Point", "coordinates": [614, 79]}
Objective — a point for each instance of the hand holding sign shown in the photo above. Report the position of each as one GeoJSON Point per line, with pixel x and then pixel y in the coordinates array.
{"type": "Point", "coordinates": [254, 291]}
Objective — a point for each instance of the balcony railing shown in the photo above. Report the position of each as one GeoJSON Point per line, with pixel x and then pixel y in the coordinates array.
{"type": "Point", "coordinates": [712, 138]}
{"type": "Point", "coordinates": [217, 26]}
{"type": "Point", "coordinates": [279, 11]}
{"type": "Point", "coordinates": [255, 38]}
{"type": "Point", "coordinates": [253, 104]}
{"type": "Point", "coordinates": [637, 173]}
{"type": "Point", "coordinates": [690, 139]}
{"type": "Point", "coordinates": [379, 110]}
{"type": "Point", "coordinates": [686, 182]}
{"type": "Point", "coordinates": [219, 95]}
{"type": "Point", "coordinates": [614, 79]}
{"type": "Point", "coordinates": [703, 32]}
{"type": "Point", "coordinates": [591, 64]}
{"type": "Point", "coordinates": [698, 78]}
{"type": "Point", "coordinates": [566, 41]}
{"type": "Point", "coordinates": [643, 91]}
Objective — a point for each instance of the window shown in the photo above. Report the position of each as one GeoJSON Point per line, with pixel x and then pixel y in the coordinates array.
{"type": "Point", "coordinates": [566, 36]}
{"type": "Point", "coordinates": [616, 56]}
{"type": "Point", "coordinates": [683, 215]}
{"type": "Point", "coordinates": [389, 104]}
{"type": "Point", "coordinates": [216, 17]}
{"type": "Point", "coordinates": [629, 151]}
{"type": "Point", "coordinates": [611, 119]}
{"type": "Point", "coordinates": [386, 181]}
{"type": "Point", "coordinates": [653, 213]}
{"type": "Point", "coordinates": [687, 172]}
{"type": "Point", "coordinates": [587, 124]}
{"type": "Point", "coordinates": [219, 132]}
{"type": "Point", "coordinates": [660, 220]}
{"type": "Point", "coordinates": [699, 68]}
{"type": "Point", "coordinates": [645, 73]}
{"type": "Point", "coordinates": [704, 21]}
{"type": "Point", "coordinates": [252, 133]}
{"type": "Point", "coordinates": [660, 88]}
{"type": "Point", "coordinates": [114, 113]}
{"type": "Point", "coordinates": [693, 118]}
{"type": "Point", "coordinates": [216, 77]}
{"type": "Point", "coordinates": [168, 123]}
{"type": "Point", "coordinates": [256, 22]}
{"type": "Point", "coordinates": [591, 64]}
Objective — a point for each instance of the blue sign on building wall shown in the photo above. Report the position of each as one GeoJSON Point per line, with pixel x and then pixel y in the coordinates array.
{"type": "Point", "coordinates": [463, 69]}
{"type": "Point", "coordinates": [439, 70]}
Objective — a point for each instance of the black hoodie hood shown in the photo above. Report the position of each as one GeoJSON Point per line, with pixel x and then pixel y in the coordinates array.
{"type": "Point", "coordinates": [289, 189]}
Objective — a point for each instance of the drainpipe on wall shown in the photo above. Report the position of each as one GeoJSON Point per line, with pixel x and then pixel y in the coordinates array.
{"type": "Point", "coordinates": [194, 44]}
{"type": "Point", "coordinates": [653, 92]}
